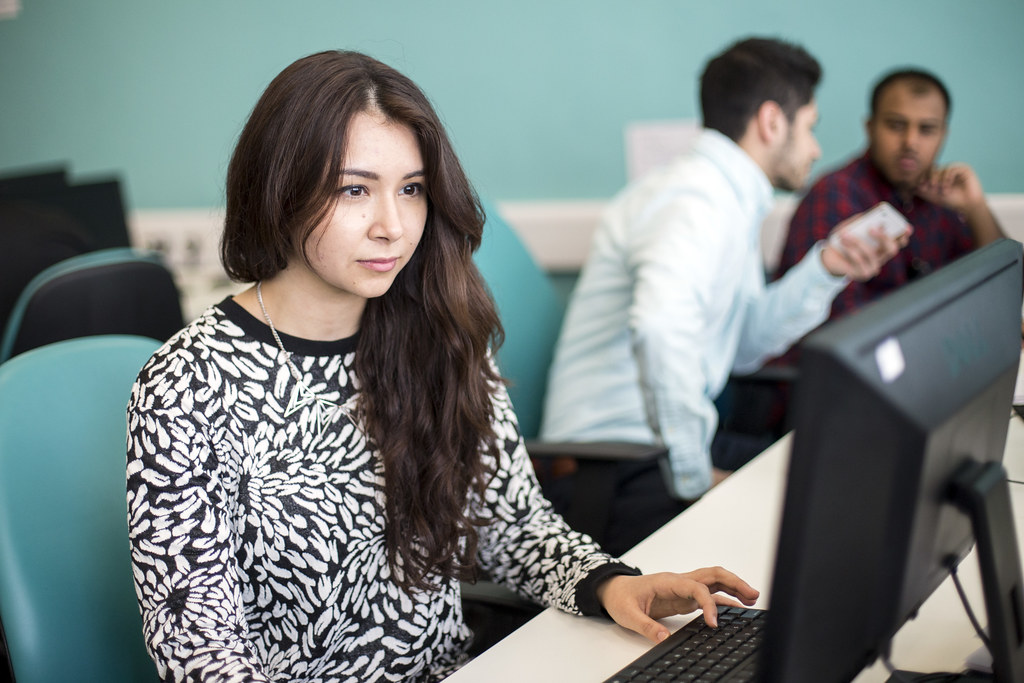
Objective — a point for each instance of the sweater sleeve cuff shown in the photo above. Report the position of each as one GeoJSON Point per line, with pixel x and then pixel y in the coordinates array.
{"type": "Point", "coordinates": [586, 590]}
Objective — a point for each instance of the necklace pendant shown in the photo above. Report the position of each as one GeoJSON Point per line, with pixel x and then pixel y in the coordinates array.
{"type": "Point", "coordinates": [322, 412]}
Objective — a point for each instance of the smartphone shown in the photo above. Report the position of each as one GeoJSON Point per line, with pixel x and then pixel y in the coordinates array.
{"type": "Point", "coordinates": [881, 215]}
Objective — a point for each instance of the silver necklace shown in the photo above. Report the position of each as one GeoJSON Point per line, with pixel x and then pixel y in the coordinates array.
{"type": "Point", "coordinates": [322, 411]}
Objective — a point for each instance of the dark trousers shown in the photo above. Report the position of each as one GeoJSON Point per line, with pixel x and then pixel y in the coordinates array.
{"type": "Point", "coordinates": [641, 503]}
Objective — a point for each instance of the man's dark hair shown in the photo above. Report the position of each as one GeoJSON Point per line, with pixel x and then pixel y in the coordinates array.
{"type": "Point", "coordinates": [918, 80]}
{"type": "Point", "coordinates": [751, 72]}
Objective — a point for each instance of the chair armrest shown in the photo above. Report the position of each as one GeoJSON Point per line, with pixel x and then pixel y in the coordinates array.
{"type": "Point", "coordinates": [487, 592]}
{"type": "Point", "coordinates": [595, 468]}
{"type": "Point", "coordinates": [492, 612]}
{"type": "Point", "coordinates": [594, 450]}
{"type": "Point", "coordinates": [771, 373]}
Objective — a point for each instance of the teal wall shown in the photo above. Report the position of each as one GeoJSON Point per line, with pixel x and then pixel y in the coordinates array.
{"type": "Point", "coordinates": [535, 92]}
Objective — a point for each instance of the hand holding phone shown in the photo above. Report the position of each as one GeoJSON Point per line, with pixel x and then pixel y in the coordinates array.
{"type": "Point", "coordinates": [881, 215]}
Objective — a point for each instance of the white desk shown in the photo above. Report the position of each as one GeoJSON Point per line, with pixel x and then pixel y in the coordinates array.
{"type": "Point", "coordinates": [735, 526]}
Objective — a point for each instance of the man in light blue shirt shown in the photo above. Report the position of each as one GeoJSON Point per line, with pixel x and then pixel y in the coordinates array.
{"type": "Point", "coordinates": [672, 298]}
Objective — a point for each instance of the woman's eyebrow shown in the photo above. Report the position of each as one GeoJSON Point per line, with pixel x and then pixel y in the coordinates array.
{"type": "Point", "coordinates": [370, 175]}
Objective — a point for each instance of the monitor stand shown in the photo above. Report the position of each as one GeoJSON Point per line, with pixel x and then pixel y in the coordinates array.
{"type": "Point", "coordinates": [982, 491]}
{"type": "Point", "coordinates": [911, 677]}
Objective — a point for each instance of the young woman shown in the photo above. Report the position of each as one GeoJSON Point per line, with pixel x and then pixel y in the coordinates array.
{"type": "Point", "coordinates": [315, 463]}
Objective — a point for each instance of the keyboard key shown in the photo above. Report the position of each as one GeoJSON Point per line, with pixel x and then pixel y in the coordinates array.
{"type": "Point", "coordinates": [697, 653]}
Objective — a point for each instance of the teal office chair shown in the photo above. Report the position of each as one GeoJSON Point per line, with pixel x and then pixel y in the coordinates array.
{"type": "Point", "coordinates": [111, 291]}
{"type": "Point", "coordinates": [67, 599]}
{"type": "Point", "coordinates": [531, 313]}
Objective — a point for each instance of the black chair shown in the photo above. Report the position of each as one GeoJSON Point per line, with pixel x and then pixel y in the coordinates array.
{"type": "Point", "coordinates": [111, 291]}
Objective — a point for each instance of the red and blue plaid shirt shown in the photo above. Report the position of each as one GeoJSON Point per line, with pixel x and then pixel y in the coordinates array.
{"type": "Point", "coordinates": [940, 234]}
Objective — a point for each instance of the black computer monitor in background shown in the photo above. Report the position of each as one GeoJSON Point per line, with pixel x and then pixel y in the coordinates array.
{"type": "Point", "coordinates": [893, 404]}
{"type": "Point", "coordinates": [96, 205]}
{"type": "Point", "coordinates": [13, 184]}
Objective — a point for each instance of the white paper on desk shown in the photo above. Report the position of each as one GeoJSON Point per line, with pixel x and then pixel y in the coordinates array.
{"type": "Point", "coordinates": [650, 144]}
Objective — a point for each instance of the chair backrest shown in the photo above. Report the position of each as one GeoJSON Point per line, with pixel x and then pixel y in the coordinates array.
{"type": "Point", "coordinates": [67, 598]}
{"type": "Point", "coordinates": [531, 313]}
{"type": "Point", "coordinates": [111, 291]}
{"type": "Point", "coordinates": [33, 239]}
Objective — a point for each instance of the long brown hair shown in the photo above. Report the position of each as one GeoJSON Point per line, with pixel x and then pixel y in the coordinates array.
{"type": "Point", "coordinates": [423, 354]}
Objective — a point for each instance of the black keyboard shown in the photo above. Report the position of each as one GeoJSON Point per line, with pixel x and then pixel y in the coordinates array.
{"type": "Point", "coordinates": [697, 652]}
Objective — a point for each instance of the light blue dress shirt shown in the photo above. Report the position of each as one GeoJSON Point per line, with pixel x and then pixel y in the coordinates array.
{"type": "Point", "coordinates": [671, 300]}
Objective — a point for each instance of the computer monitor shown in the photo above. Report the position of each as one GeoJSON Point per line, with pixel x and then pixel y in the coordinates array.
{"type": "Point", "coordinates": [13, 184]}
{"type": "Point", "coordinates": [891, 403]}
{"type": "Point", "coordinates": [96, 206]}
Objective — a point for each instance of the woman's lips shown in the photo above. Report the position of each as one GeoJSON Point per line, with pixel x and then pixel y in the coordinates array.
{"type": "Point", "coordinates": [379, 265]}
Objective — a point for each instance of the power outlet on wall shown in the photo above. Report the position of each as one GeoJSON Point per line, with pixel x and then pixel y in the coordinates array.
{"type": "Point", "coordinates": [189, 241]}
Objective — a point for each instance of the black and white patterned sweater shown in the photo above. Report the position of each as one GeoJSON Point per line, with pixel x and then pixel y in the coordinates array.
{"type": "Point", "coordinates": [257, 524]}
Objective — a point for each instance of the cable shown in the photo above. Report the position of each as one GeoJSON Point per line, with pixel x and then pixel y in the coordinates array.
{"type": "Point", "coordinates": [896, 676]}
{"type": "Point", "coordinates": [967, 608]}
{"type": "Point", "coordinates": [946, 677]}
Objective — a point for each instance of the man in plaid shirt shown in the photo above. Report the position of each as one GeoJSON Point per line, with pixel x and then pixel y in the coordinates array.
{"type": "Point", "coordinates": [945, 205]}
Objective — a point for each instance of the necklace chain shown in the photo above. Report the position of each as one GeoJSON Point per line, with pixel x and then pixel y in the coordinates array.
{"type": "Point", "coordinates": [266, 316]}
{"type": "Point", "coordinates": [324, 410]}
